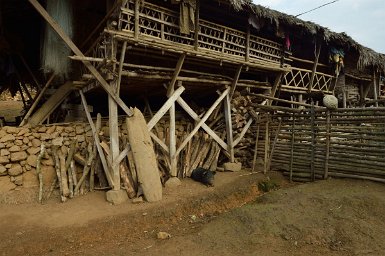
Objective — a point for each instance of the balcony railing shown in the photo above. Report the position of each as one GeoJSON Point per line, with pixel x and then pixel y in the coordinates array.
{"type": "Point", "coordinates": [299, 79]}
{"type": "Point", "coordinates": [163, 24]}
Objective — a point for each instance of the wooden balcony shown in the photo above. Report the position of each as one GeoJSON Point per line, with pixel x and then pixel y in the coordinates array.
{"type": "Point", "coordinates": [158, 27]}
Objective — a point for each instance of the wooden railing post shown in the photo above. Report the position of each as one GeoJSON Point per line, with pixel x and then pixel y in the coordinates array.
{"type": "Point", "coordinates": [196, 35]}
{"type": "Point", "coordinates": [136, 31]}
{"type": "Point", "coordinates": [318, 51]}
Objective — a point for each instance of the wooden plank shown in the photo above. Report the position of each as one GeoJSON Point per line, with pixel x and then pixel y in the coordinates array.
{"type": "Point", "coordinates": [204, 118]}
{"type": "Point", "coordinates": [196, 118]}
{"type": "Point", "coordinates": [243, 132]}
{"type": "Point", "coordinates": [166, 106]}
{"type": "Point", "coordinates": [229, 128]}
{"type": "Point", "coordinates": [76, 50]}
{"type": "Point", "coordinates": [144, 157]}
{"type": "Point", "coordinates": [235, 81]}
{"type": "Point", "coordinates": [51, 104]}
{"type": "Point", "coordinates": [97, 141]}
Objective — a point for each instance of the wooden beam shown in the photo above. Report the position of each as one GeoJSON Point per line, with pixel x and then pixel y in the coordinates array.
{"type": "Point", "coordinates": [375, 89]}
{"type": "Point", "coordinates": [76, 50]}
{"type": "Point", "coordinates": [178, 68]}
{"type": "Point", "coordinates": [136, 20]}
{"type": "Point", "coordinates": [166, 106]}
{"type": "Point", "coordinates": [256, 146]}
{"type": "Point", "coordinates": [247, 56]}
{"type": "Point", "coordinates": [274, 89]}
{"type": "Point", "coordinates": [172, 135]}
{"type": "Point", "coordinates": [229, 129]}
{"type": "Point", "coordinates": [160, 142]}
{"type": "Point", "coordinates": [204, 118]}
{"type": "Point", "coordinates": [97, 142]}
{"type": "Point", "coordinates": [243, 132]}
{"type": "Point", "coordinates": [196, 118]}
{"type": "Point", "coordinates": [121, 62]}
{"type": "Point", "coordinates": [37, 100]}
{"type": "Point", "coordinates": [235, 81]}
{"type": "Point", "coordinates": [318, 51]}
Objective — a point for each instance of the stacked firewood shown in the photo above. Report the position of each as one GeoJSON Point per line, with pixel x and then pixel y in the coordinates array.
{"type": "Point", "coordinates": [242, 105]}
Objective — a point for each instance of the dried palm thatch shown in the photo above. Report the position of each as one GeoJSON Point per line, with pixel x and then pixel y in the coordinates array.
{"type": "Point", "coordinates": [367, 57]}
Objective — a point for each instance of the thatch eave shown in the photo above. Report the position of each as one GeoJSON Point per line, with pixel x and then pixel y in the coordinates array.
{"type": "Point", "coordinates": [367, 57]}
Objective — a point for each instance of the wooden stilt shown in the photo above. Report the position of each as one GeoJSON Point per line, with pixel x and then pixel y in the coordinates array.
{"type": "Point", "coordinates": [229, 128]}
{"type": "Point", "coordinates": [267, 140]}
{"type": "Point", "coordinates": [292, 149]}
{"type": "Point", "coordinates": [326, 174]}
{"type": "Point", "coordinates": [256, 147]}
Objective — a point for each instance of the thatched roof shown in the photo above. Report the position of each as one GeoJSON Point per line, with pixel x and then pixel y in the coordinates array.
{"type": "Point", "coordinates": [367, 57]}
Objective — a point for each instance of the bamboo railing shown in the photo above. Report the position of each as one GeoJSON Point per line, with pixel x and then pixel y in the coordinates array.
{"type": "Point", "coordinates": [159, 23]}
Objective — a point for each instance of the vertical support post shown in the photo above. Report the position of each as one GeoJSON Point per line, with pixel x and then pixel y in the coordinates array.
{"type": "Point", "coordinates": [375, 89]}
{"type": "Point", "coordinates": [318, 51]}
{"type": "Point", "coordinates": [326, 173]}
{"type": "Point", "coordinates": [224, 40]}
{"type": "Point", "coordinates": [136, 29]}
{"type": "Point", "coordinates": [172, 145]}
{"type": "Point", "coordinates": [121, 62]}
{"type": "Point", "coordinates": [229, 128]}
{"type": "Point", "coordinates": [247, 55]}
{"type": "Point", "coordinates": [292, 149]}
{"type": "Point", "coordinates": [196, 35]}
{"type": "Point", "coordinates": [113, 122]}
{"type": "Point", "coordinates": [162, 25]}
{"type": "Point", "coordinates": [312, 167]}
{"type": "Point", "coordinates": [266, 160]}
{"type": "Point", "coordinates": [256, 147]}
{"type": "Point", "coordinates": [170, 92]}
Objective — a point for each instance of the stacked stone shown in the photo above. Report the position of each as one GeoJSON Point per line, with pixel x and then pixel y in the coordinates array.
{"type": "Point", "coordinates": [20, 146]}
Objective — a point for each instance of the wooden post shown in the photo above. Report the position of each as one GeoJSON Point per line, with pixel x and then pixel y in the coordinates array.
{"type": "Point", "coordinates": [121, 62]}
{"type": "Point", "coordinates": [312, 167]}
{"type": "Point", "coordinates": [172, 142]}
{"type": "Point", "coordinates": [247, 55]}
{"type": "Point", "coordinates": [326, 174]}
{"type": "Point", "coordinates": [274, 89]}
{"type": "Point", "coordinates": [196, 35]}
{"type": "Point", "coordinates": [162, 26]}
{"type": "Point", "coordinates": [266, 161]}
{"type": "Point", "coordinates": [274, 143]}
{"type": "Point", "coordinates": [256, 147]}
{"type": "Point", "coordinates": [235, 81]}
{"type": "Point", "coordinates": [292, 149]}
{"type": "Point", "coordinates": [375, 89]}
{"type": "Point", "coordinates": [136, 29]}
{"type": "Point", "coordinates": [76, 50]}
{"type": "Point", "coordinates": [318, 51]}
{"type": "Point", "coordinates": [229, 128]}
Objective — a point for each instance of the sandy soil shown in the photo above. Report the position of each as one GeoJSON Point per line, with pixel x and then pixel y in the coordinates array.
{"type": "Point", "coordinates": [334, 217]}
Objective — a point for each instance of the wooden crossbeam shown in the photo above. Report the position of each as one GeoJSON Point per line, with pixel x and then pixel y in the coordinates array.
{"type": "Point", "coordinates": [77, 51]}
{"type": "Point", "coordinates": [166, 106]}
{"type": "Point", "coordinates": [196, 118]}
{"type": "Point", "coordinates": [160, 142]}
{"type": "Point", "coordinates": [97, 141]}
{"type": "Point", "coordinates": [204, 118]}
{"type": "Point", "coordinates": [243, 132]}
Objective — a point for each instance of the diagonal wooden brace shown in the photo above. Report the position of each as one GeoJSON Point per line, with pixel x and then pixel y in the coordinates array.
{"type": "Point", "coordinates": [77, 51]}
{"type": "Point", "coordinates": [166, 106]}
{"type": "Point", "coordinates": [204, 118]}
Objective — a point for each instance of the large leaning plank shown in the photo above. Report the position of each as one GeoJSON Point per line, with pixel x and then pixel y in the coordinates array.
{"type": "Point", "coordinates": [51, 104]}
{"type": "Point", "coordinates": [144, 156]}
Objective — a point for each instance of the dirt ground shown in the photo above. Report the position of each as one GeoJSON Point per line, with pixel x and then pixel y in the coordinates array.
{"type": "Point", "coordinates": [334, 217]}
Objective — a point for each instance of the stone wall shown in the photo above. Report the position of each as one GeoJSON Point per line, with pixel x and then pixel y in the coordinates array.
{"type": "Point", "coordinates": [19, 148]}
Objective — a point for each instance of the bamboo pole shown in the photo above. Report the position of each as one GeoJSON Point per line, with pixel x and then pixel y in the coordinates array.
{"type": "Point", "coordinates": [292, 149]}
{"type": "Point", "coordinates": [265, 169]}
{"type": "Point", "coordinates": [328, 127]}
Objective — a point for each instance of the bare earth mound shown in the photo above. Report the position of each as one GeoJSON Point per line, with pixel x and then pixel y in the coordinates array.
{"type": "Point", "coordinates": [334, 217]}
